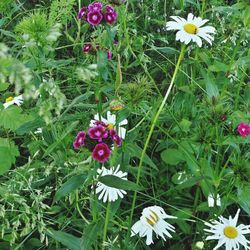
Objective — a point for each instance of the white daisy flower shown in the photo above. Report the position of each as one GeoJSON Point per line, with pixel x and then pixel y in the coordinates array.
{"type": "Point", "coordinates": [226, 232]}
{"type": "Point", "coordinates": [191, 30]}
{"type": "Point", "coordinates": [213, 201]}
{"type": "Point", "coordinates": [152, 220]}
{"type": "Point", "coordinates": [18, 100]}
{"type": "Point", "coordinates": [109, 193]}
{"type": "Point", "coordinates": [111, 122]}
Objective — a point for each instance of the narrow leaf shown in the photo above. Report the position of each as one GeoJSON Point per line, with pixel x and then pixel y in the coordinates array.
{"type": "Point", "coordinates": [116, 182]}
{"type": "Point", "coordinates": [90, 234]}
{"type": "Point", "coordinates": [70, 185]}
{"type": "Point", "coordinates": [70, 241]}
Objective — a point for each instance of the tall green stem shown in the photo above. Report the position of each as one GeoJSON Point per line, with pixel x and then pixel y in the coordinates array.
{"type": "Point", "coordinates": [78, 208]}
{"type": "Point", "coordinates": [151, 132]}
{"type": "Point", "coordinates": [203, 7]}
{"type": "Point", "coordinates": [105, 226]}
{"type": "Point", "coordinates": [79, 22]}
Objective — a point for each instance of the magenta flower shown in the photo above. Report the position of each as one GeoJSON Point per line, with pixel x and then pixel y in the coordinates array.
{"type": "Point", "coordinates": [115, 137]}
{"type": "Point", "coordinates": [97, 6]}
{"type": "Point", "coordinates": [98, 132]}
{"type": "Point", "coordinates": [79, 141]}
{"type": "Point", "coordinates": [101, 152]}
{"type": "Point", "coordinates": [82, 13]}
{"type": "Point", "coordinates": [110, 9]}
{"type": "Point", "coordinates": [243, 129]}
{"type": "Point", "coordinates": [110, 17]}
{"type": "Point", "coordinates": [109, 55]}
{"type": "Point", "coordinates": [87, 47]}
{"type": "Point", "coordinates": [96, 123]}
{"type": "Point", "coordinates": [94, 17]}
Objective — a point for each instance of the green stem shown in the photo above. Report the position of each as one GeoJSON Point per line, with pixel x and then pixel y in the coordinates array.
{"type": "Point", "coordinates": [79, 22]}
{"type": "Point", "coordinates": [151, 132]}
{"type": "Point", "coordinates": [105, 226]}
{"type": "Point", "coordinates": [203, 7]}
{"type": "Point", "coordinates": [196, 199]}
{"type": "Point", "coordinates": [78, 209]}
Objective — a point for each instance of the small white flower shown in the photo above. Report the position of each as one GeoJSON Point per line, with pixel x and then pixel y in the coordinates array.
{"type": "Point", "coordinates": [226, 232]}
{"type": "Point", "coordinates": [191, 30]}
{"type": "Point", "coordinates": [152, 220]}
{"type": "Point", "coordinates": [109, 193]}
{"type": "Point", "coordinates": [38, 131]}
{"type": "Point", "coordinates": [213, 201]}
{"type": "Point", "coordinates": [18, 100]}
{"type": "Point", "coordinates": [111, 123]}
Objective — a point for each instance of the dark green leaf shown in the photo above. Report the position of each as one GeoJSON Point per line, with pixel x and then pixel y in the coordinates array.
{"type": "Point", "coordinates": [70, 185]}
{"type": "Point", "coordinates": [116, 182]}
{"type": "Point", "coordinates": [12, 118]}
{"type": "Point", "coordinates": [91, 233]}
{"type": "Point", "coordinates": [68, 240]}
{"type": "Point", "coordinates": [30, 126]}
{"type": "Point", "coordinates": [8, 153]}
{"type": "Point", "coordinates": [166, 50]}
{"type": "Point", "coordinates": [172, 156]}
{"type": "Point", "coordinates": [136, 151]}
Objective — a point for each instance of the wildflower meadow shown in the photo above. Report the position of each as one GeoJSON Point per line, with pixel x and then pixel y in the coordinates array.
{"type": "Point", "coordinates": [124, 125]}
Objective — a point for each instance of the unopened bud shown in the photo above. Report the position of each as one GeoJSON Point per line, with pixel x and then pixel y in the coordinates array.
{"type": "Point", "coordinates": [116, 105]}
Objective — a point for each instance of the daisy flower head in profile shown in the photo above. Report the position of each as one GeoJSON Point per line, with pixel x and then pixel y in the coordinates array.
{"type": "Point", "coordinates": [107, 193]}
{"type": "Point", "coordinates": [228, 233]}
{"type": "Point", "coordinates": [152, 220]}
{"type": "Point", "coordinates": [191, 29]}
{"type": "Point", "coordinates": [18, 100]}
{"type": "Point", "coordinates": [110, 122]}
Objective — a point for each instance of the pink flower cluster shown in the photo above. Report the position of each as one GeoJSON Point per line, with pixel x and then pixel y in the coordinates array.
{"type": "Point", "coordinates": [243, 129]}
{"type": "Point", "coordinates": [95, 13]}
{"type": "Point", "coordinates": [88, 48]}
{"type": "Point", "coordinates": [99, 140]}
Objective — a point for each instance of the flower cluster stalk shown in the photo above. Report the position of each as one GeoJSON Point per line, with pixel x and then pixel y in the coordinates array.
{"type": "Point", "coordinates": [105, 226]}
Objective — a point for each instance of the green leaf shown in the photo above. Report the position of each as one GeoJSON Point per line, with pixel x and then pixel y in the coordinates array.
{"type": "Point", "coordinates": [30, 126]}
{"type": "Point", "coordinates": [166, 50]}
{"type": "Point", "coordinates": [190, 182]}
{"type": "Point", "coordinates": [8, 153]}
{"type": "Point", "coordinates": [116, 182]}
{"type": "Point", "coordinates": [4, 86]}
{"type": "Point", "coordinates": [78, 99]}
{"type": "Point", "coordinates": [102, 64]}
{"type": "Point", "coordinates": [172, 156]}
{"type": "Point", "coordinates": [70, 185]}
{"type": "Point", "coordinates": [243, 197]}
{"type": "Point", "coordinates": [12, 118]}
{"type": "Point", "coordinates": [91, 234]}
{"type": "Point", "coordinates": [185, 125]}
{"type": "Point", "coordinates": [68, 130]}
{"type": "Point", "coordinates": [70, 241]}
{"type": "Point", "coordinates": [211, 88]}
{"type": "Point", "coordinates": [218, 67]}
{"type": "Point", "coordinates": [136, 151]}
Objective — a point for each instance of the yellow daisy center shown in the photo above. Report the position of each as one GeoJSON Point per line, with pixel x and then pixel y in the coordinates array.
{"type": "Point", "coordinates": [153, 218]}
{"type": "Point", "coordinates": [191, 28]}
{"type": "Point", "coordinates": [230, 232]}
{"type": "Point", "coordinates": [9, 99]}
{"type": "Point", "coordinates": [110, 126]}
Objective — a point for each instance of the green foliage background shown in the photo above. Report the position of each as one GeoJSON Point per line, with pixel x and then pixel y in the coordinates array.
{"type": "Point", "coordinates": [45, 197]}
